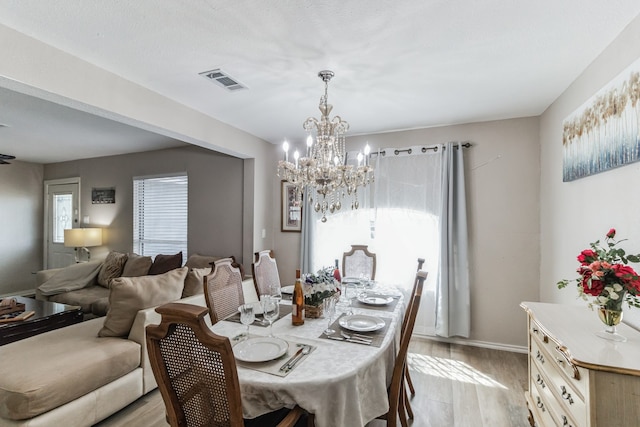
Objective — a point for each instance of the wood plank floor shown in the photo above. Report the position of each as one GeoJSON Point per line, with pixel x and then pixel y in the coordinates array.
{"type": "Point", "coordinates": [456, 386]}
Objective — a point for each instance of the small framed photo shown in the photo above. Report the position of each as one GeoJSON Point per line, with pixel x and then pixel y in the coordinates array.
{"type": "Point", "coordinates": [103, 195]}
{"type": "Point", "coordinates": [291, 208]}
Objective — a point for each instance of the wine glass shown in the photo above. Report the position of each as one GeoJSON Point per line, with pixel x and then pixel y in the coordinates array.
{"type": "Point", "coordinates": [247, 316]}
{"type": "Point", "coordinates": [351, 292]}
{"type": "Point", "coordinates": [329, 308]}
{"type": "Point", "coordinates": [276, 292]}
{"type": "Point", "coordinates": [270, 311]}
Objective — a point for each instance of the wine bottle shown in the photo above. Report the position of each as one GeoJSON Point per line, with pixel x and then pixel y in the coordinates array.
{"type": "Point", "coordinates": [336, 273]}
{"type": "Point", "coordinates": [297, 314]}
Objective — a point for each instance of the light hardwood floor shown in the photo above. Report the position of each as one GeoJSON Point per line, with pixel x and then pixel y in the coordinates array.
{"type": "Point", "coordinates": [456, 386]}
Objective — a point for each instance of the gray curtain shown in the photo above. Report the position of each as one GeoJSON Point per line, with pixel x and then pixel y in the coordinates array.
{"type": "Point", "coordinates": [453, 314]}
{"type": "Point", "coordinates": [308, 231]}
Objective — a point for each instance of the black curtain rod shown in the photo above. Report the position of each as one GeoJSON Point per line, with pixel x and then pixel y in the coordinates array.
{"type": "Point", "coordinates": [423, 149]}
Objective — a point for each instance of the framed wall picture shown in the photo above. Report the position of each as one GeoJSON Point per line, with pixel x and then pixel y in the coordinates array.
{"type": "Point", "coordinates": [291, 208]}
{"type": "Point", "coordinates": [103, 195]}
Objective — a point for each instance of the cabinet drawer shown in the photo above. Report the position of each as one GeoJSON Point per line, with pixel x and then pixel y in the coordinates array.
{"type": "Point", "coordinates": [557, 355]}
{"type": "Point", "coordinates": [556, 383]}
{"type": "Point", "coordinates": [539, 409]}
{"type": "Point", "coordinates": [556, 409]}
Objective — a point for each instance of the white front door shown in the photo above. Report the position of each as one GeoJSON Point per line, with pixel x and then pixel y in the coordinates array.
{"type": "Point", "coordinates": [61, 212]}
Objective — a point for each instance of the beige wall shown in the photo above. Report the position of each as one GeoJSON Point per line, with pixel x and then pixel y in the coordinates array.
{"type": "Point", "coordinates": [215, 196]}
{"type": "Point", "coordinates": [573, 214]}
{"type": "Point", "coordinates": [21, 193]}
{"type": "Point", "coordinates": [502, 173]}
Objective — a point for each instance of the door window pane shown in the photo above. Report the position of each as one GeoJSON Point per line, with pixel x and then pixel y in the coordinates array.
{"type": "Point", "coordinates": [62, 214]}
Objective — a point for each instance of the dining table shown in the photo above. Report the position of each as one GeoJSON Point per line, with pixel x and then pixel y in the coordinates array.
{"type": "Point", "coordinates": [342, 382]}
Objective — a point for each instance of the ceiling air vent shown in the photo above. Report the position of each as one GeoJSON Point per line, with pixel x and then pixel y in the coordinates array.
{"type": "Point", "coordinates": [223, 79]}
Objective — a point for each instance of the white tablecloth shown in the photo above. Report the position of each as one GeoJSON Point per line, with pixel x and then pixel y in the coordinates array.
{"type": "Point", "coordinates": [343, 384]}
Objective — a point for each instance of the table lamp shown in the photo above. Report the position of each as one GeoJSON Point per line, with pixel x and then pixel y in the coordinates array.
{"type": "Point", "coordinates": [83, 239]}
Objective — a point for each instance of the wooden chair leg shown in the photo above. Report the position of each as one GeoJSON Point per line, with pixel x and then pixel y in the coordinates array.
{"type": "Point", "coordinates": [402, 410]}
{"type": "Point", "coordinates": [311, 420]}
{"type": "Point", "coordinates": [407, 405]}
{"type": "Point", "coordinates": [409, 382]}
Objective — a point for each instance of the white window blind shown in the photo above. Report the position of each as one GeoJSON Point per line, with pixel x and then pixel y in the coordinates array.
{"type": "Point", "coordinates": [160, 208]}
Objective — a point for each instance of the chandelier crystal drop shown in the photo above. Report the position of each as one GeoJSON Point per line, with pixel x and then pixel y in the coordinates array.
{"type": "Point", "coordinates": [325, 167]}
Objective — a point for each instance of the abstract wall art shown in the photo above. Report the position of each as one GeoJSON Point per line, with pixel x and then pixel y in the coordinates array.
{"type": "Point", "coordinates": [604, 133]}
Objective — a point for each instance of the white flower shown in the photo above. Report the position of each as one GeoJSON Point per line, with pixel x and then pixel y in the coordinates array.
{"type": "Point", "coordinates": [602, 300]}
{"type": "Point", "coordinates": [617, 287]}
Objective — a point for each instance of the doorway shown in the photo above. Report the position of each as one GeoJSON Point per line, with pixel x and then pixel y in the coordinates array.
{"type": "Point", "coordinates": [62, 211]}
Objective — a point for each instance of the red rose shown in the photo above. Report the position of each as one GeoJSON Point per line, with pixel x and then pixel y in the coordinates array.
{"type": "Point", "coordinates": [587, 256]}
{"type": "Point", "coordinates": [611, 234]}
{"type": "Point", "coordinates": [625, 273]}
{"type": "Point", "coordinates": [591, 286]}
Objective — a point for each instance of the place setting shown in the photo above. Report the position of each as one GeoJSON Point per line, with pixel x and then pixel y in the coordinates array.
{"type": "Point", "coordinates": [258, 315]}
{"type": "Point", "coordinates": [270, 354]}
{"type": "Point", "coordinates": [354, 328]}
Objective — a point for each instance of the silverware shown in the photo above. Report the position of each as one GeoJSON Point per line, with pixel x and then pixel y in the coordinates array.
{"type": "Point", "coordinates": [305, 350]}
{"type": "Point", "coordinates": [284, 366]}
{"type": "Point", "coordinates": [353, 340]}
{"type": "Point", "coordinates": [356, 337]}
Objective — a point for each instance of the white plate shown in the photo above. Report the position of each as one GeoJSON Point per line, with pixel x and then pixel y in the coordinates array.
{"type": "Point", "coordinates": [257, 307]}
{"type": "Point", "coordinates": [287, 289]}
{"type": "Point", "coordinates": [374, 299]}
{"type": "Point", "coordinates": [361, 323]}
{"type": "Point", "coordinates": [260, 349]}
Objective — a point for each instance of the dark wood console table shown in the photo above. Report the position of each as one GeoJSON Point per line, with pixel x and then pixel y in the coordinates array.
{"type": "Point", "coordinates": [48, 316]}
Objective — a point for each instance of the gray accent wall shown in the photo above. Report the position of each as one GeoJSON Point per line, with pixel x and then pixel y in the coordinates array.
{"type": "Point", "coordinates": [215, 196]}
{"type": "Point", "coordinates": [21, 196]}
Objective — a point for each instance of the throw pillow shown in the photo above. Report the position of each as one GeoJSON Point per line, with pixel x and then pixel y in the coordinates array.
{"type": "Point", "coordinates": [129, 295]}
{"type": "Point", "coordinates": [193, 284]}
{"type": "Point", "coordinates": [111, 268]}
{"type": "Point", "coordinates": [136, 265]}
{"type": "Point", "coordinates": [163, 263]}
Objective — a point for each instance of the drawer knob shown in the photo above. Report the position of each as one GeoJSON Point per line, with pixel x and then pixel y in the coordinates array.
{"type": "Point", "coordinates": [539, 356]}
{"type": "Point", "coordinates": [566, 358]}
{"type": "Point", "coordinates": [540, 404]}
{"type": "Point", "coordinates": [540, 381]}
{"type": "Point", "coordinates": [565, 422]}
{"type": "Point", "coordinates": [566, 395]}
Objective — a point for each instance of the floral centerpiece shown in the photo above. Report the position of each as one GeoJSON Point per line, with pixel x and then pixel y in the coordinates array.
{"type": "Point", "coordinates": [316, 287]}
{"type": "Point", "coordinates": [605, 276]}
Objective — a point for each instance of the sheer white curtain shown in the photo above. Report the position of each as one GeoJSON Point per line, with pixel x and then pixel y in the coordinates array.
{"type": "Point", "coordinates": [398, 219]}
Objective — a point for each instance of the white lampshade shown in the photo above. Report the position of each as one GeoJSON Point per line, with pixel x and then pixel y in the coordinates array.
{"type": "Point", "coordinates": [82, 237]}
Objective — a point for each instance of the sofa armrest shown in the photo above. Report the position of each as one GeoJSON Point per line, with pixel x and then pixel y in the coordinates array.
{"type": "Point", "coordinates": [146, 317]}
{"type": "Point", "coordinates": [44, 275]}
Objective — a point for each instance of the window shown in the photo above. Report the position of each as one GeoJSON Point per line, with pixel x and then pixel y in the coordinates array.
{"type": "Point", "coordinates": [160, 208]}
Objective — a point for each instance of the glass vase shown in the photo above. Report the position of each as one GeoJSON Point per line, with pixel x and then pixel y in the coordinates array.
{"type": "Point", "coordinates": [611, 318]}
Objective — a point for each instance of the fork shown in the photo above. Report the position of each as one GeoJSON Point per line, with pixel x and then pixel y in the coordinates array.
{"type": "Point", "coordinates": [356, 337]}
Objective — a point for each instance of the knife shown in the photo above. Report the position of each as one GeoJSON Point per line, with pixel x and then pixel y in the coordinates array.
{"type": "Point", "coordinates": [286, 364]}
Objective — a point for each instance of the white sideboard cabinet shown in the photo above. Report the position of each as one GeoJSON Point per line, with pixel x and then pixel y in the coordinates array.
{"type": "Point", "coordinates": [576, 378]}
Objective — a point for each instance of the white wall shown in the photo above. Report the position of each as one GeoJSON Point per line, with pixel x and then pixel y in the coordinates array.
{"type": "Point", "coordinates": [573, 214]}
{"type": "Point", "coordinates": [502, 173]}
{"type": "Point", "coordinates": [21, 193]}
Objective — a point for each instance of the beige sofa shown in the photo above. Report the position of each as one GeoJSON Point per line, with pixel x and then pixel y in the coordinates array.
{"type": "Point", "coordinates": [84, 290]}
{"type": "Point", "coordinates": [71, 377]}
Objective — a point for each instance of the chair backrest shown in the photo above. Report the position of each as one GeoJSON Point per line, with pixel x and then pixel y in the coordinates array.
{"type": "Point", "coordinates": [265, 272]}
{"type": "Point", "coordinates": [194, 368]}
{"type": "Point", "coordinates": [359, 261]}
{"type": "Point", "coordinates": [405, 337]}
{"type": "Point", "coordinates": [223, 289]}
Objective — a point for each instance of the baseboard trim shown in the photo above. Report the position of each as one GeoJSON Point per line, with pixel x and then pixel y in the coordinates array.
{"type": "Point", "coordinates": [25, 293]}
{"type": "Point", "coordinates": [475, 343]}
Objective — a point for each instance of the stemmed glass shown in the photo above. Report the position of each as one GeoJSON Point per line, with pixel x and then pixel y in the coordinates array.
{"type": "Point", "coordinates": [270, 311]}
{"type": "Point", "coordinates": [276, 292]}
{"type": "Point", "coordinates": [351, 291]}
{"type": "Point", "coordinates": [247, 316]}
{"type": "Point", "coordinates": [329, 309]}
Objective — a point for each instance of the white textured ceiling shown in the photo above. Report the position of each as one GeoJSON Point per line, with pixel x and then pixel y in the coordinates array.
{"type": "Point", "coordinates": [399, 64]}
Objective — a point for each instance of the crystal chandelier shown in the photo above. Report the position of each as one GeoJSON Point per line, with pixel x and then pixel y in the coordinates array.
{"type": "Point", "coordinates": [325, 168]}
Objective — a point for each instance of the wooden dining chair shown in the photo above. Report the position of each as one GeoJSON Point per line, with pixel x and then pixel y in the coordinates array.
{"type": "Point", "coordinates": [265, 272]}
{"type": "Point", "coordinates": [358, 260]}
{"type": "Point", "coordinates": [197, 374]}
{"type": "Point", "coordinates": [407, 375]}
{"type": "Point", "coordinates": [223, 289]}
{"type": "Point", "coordinates": [396, 391]}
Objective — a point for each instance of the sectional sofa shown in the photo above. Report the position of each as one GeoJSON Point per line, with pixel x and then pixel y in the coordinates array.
{"type": "Point", "coordinates": [81, 374]}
